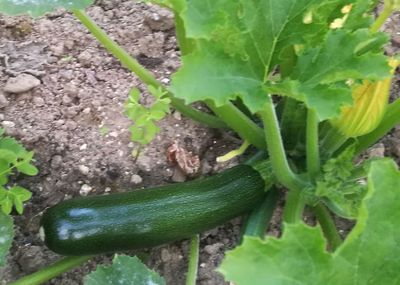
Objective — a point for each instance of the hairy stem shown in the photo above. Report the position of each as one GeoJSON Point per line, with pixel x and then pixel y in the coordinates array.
{"type": "Point", "coordinates": [240, 123]}
{"type": "Point", "coordinates": [389, 121]}
{"type": "Point", "coordinates": [141, 72]}
{"type": "Point", "coordinates": [332, 141]}
{"type": "Point", "coordinates": [193, 260]}
{"type": "Point", "coordinates": [52, 271]}
{"type": "Point", "coordinates": [294, 207]}
{"type": "Point", "coordinates": [258, 220]}
{"type": "Point", "coordinates": [328, 226]}
{"type": "Point", "coordinates": [280, 165]}
{"type": "Point", "coordinates": [295, 201]}
{"type": "Point", "coordinates": [206, 119]}
{"type": "Point", "coordinates": [385, 14]}
{"type": "Point", "coordinates": [185, 44]}
{"type": "Point", "coordinates": [313, 160]}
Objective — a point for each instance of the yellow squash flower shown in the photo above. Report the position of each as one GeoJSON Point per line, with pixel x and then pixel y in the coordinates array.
{"type": "Point", "coordinates": [370, 102]}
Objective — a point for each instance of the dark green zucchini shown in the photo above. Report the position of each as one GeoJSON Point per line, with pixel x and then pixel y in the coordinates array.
{"type": "Point", "coordinates": [151, 217]}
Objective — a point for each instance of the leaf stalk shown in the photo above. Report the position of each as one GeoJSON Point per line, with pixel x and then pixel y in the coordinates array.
{"type": "Point", "coordinates": [52, 271]}
{"type": "Point", "coordinates": [312, 145]}
{"type": "Point", "coordinates": [193, 260]}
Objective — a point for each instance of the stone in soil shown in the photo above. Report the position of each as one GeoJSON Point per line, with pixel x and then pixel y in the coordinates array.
{"type": "Point", "coordinates": [22, 83]}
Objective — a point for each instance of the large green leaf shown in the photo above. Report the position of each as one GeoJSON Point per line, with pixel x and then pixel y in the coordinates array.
{"type": "Point", "coordinates": [370, 254]}
{"type": "Point", "coordinates": [125, 270]}
{"type": "Point", "coordinates": [319, 77]}
{"type": "Point", "coordinates": [239, 42]}
{"type": "Point", "coordinates": [297, 258]}
{"type": "Point", "coordinates": [37, 8]}
{"type": "Point", "coordinates": [6, 236]}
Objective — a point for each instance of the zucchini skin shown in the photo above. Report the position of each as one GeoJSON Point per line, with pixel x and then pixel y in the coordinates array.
{"type": "Point", "coordinates": [150, 217]}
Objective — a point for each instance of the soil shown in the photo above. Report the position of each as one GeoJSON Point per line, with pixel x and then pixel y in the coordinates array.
{"type": "Point", "coordinates": [74, 122]}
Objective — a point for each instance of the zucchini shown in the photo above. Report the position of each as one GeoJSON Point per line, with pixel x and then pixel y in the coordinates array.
{"type": "Point", "coordinates": [150, 217]}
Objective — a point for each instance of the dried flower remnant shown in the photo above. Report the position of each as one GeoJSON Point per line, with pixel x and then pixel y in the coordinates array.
{"type": "Point", "coordinates": [185, 160]}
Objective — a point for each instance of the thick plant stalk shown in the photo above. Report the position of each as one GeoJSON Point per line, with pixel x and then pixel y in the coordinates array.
{"type": "Point", "coordinates": [312, 147]}
{"type": "Point", "coordinates": [193, 260]}
{"type": "Point", "coordinates": [52, 271]}
{"type": "Point", "coordinates": [186, 45]}
{"type": "Point", "coordinates": [240, 123]}
{"type": "Point", "coordinates": [388, 9]}
{"type": "Point", "coordinates": [276, 151]}
{"type": "Point", "coordinates": [328, 226]}
{"type": "Point", "coordinates": [282, 171]}
{"type": "Point", "coordinates": [294, 207]}
{"type": "Point", "coordinates": [259, 219]}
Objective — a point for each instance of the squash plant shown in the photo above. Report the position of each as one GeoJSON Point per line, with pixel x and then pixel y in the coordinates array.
{"type": "Point", "coordinates": [14, 159]}
{"type": "Point", "coordinates": [306, 81]}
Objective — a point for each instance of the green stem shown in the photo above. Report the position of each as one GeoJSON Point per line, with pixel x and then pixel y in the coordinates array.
{"type": "Point", "coordinates": [234, 153]}
{"type": "Point", "coordinates": [389, 121]}
{"type": "Point", "coordinates": [117, 51]}
{"type": "Point", "coordinates": [328, 226]}
{"type": "Point", "coordinates": [332, 142]}
{"type": "Point", "coordinates": [294, 207]}
{"type": "Point", "coordinates": [276, 151]}
{"type": "Point", "coordinates": [240, 123]}
{"type": "Point", "coordinates": [208, 120]}
{"type": "Point", "coordinates": [141, 72]}
{"type": "Point", "coordinates": [313, 160]}
{"type": "Point", "coordinates": [385, 14]}
{"type": "Point", "coordinates": [52, 271]}
{"type": "Point", "coordinates": [258, 220]}
{"type": "Point", "coordinates": [193, 261]}
{"type": "Point", "coordinates": [186, 45]}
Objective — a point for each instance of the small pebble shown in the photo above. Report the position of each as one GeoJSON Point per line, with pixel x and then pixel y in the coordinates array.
{"type": "Point", "coordinates": [165, 255]}
{"type": "Point", "coordinates": [136, 179]}
{"type": "Point", "coordinates": [8, 124]}
{"type": "Point", "coordinates": [22, 83]}
{"type": "Point", "coordinates": [377, 151]}
{"type": "Point", "coordinates": [178, 176]}
{"type": "Point", "coordinates": [3, 101]}
{"type": "Point", "coordinates": [85, 190]}
{"type": "Point", "coordinates": [86, 111]}
{"type": "Point", "coordinates": [177, 115]}
{"type": "Point", "coordinates": [84, 169]}
{"type": "Point", "coordinates": [56, 161]}
{"type": "Point", "coordinates": [213, 248]}
{"type": "Point", "coordinates": [66, 99]}
{"type": "Point", "coordinates": [113, 134]}
{"type": "Point", "coordinates": [38, 101]}
{"type": "Point", "coordinates": [160, 20]}
{"type": "Point", "coordinates": [85, 58]}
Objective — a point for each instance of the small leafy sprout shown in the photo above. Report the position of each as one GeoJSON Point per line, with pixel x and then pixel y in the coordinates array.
{"type": "Point", "coordinates": [104, 130]}
{"type": "Point", "coordinates": [338, 189]}
{"type": "Point", "coordinates": [16, 196]}
{"type": "Point", "coordinates": [144, 128]}
{"type": "Point", "coordinates": [13, 157]}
